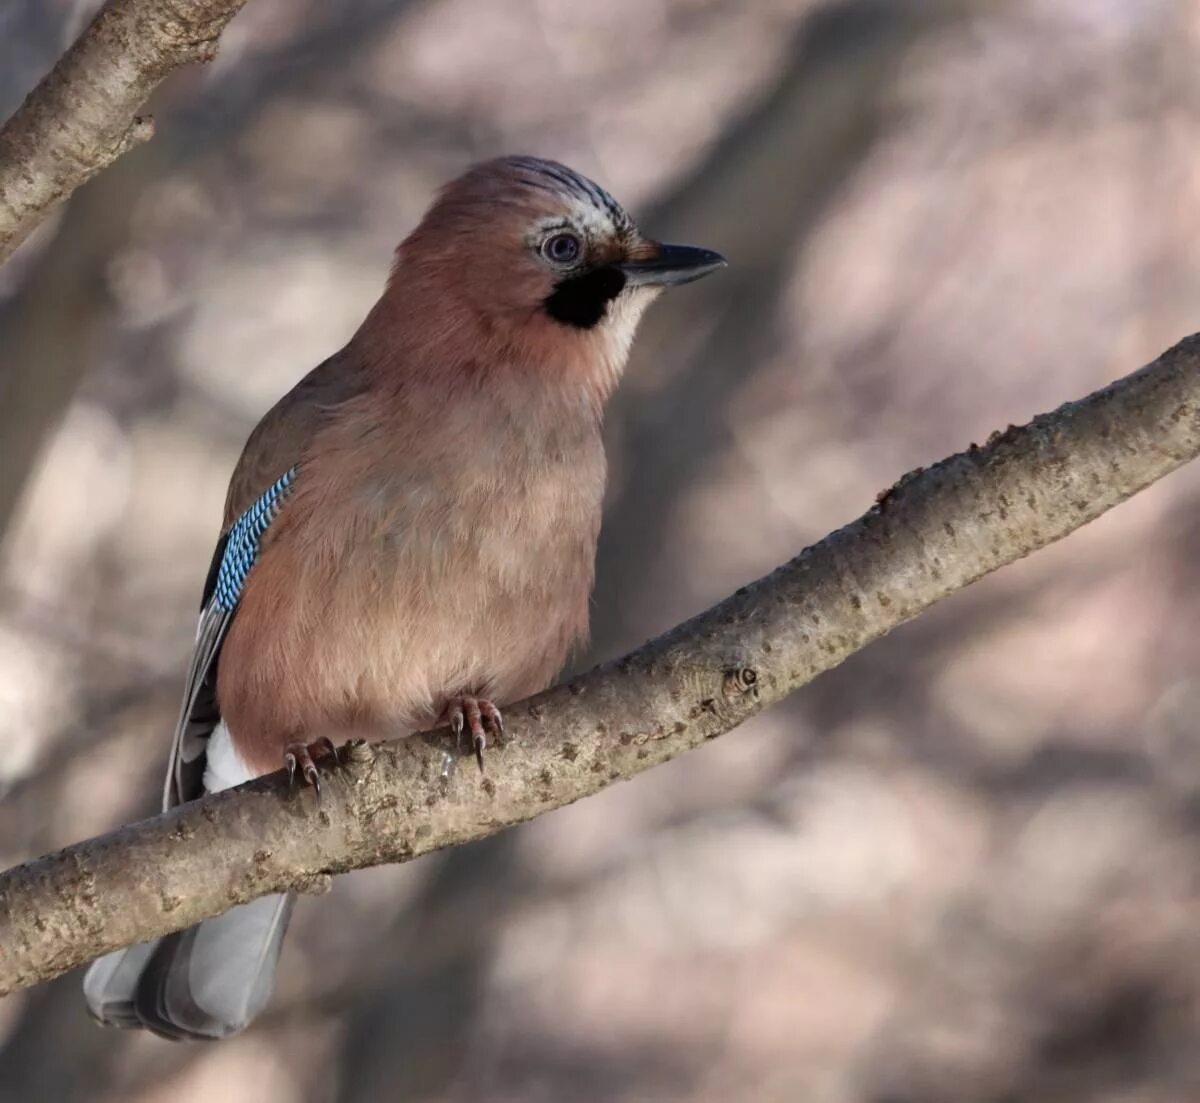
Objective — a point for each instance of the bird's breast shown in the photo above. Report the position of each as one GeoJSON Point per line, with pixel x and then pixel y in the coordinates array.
{"type": "Point", "coordinates": [467, 569]}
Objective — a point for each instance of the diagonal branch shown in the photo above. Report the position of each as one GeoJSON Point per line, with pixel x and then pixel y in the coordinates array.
{"type": "Point", "coordinates": [934, 532]}
{"type": "Point", "coordinates": [84, 113]}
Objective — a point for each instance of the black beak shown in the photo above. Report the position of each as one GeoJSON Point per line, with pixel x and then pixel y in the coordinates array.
{"type": "Point", "coordinates": [672, 265]}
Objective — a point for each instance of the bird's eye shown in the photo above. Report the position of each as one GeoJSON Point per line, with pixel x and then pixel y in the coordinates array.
{"type": "Point", "coordinates": [561, 248]}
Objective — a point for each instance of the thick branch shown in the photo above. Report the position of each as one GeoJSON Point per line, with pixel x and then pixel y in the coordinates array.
{"type": "Point", "coordinates": [83, 115]}
{"type": "Point", "coordinates": [936, 531]}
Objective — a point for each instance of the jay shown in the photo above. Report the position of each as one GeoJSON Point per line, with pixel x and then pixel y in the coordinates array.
{"type": "Point", "coordinates": [410, 533]}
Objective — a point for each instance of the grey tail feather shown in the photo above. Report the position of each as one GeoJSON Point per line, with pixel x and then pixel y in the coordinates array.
{"type": "Point", "coordinates": [206, 983]}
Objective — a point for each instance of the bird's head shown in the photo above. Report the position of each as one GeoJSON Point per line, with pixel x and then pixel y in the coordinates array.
{"type": "Point", "coordinates": [545, 258]}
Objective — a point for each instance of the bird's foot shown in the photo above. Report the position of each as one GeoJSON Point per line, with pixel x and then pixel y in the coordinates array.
{"type": "Point", "coordinates": [298, 757]}
{"type": "Point", "coordinates": [477, 716]}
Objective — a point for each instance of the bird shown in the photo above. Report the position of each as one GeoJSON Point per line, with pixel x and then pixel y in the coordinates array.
{"type": "Point", "coordinates": [409, 535]}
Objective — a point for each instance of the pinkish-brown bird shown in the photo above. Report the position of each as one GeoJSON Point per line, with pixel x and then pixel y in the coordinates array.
{"type": "Point", "coordinates": [410, 533]}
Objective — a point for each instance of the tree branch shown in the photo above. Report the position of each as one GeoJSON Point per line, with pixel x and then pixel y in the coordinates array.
{"type": "Point", "coordinates": [83, 114]}
{"type": "Point", "coordinates": [934, 532]}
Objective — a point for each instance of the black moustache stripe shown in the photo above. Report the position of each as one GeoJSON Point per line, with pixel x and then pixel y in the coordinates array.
{"type": "Point", "coordinates": [582, 301]}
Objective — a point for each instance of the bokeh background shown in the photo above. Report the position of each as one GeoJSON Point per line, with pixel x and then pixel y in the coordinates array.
{"type": "Point", "coordinates": [962, 868]}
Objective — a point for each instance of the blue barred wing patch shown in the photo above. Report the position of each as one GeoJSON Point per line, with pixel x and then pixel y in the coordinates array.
{"type": "Point", "coordinates": [245, 536]}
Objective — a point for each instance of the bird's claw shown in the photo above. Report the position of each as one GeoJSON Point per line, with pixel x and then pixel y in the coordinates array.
{"type": "Point", "coordinates": [478, 716]}
{"type": "Point", "coordinates": [298, 758]}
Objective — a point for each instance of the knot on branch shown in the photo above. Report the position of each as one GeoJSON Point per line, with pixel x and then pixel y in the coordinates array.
{"type": "Point", "coordinates": [357, 754]}
{"type": "Point", "coordinates": [313, 884]}
{"type": "Point", "coordinates": [739, 681]}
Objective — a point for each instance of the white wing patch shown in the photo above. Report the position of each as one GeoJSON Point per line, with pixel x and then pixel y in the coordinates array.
{"type": "Point", "coordinates": [223, 768]}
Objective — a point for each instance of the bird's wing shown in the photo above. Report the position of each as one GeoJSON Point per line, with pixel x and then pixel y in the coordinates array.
{"type": "Point", "coordinates": [261, 482]}
{"type": "Point", "coordinates": [208, 981]}
{"type": "Point", "coordinates": [235, 555]}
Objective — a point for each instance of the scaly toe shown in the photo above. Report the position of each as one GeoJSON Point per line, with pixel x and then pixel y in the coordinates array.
{"type": "Point", "coordinates": [456, 724]}
{"type": "Point", "coordinates": [492, 716]}
{"type": "Point", "coordinates": [477, 717]}
{"type": "Point", "coordinates": [297, 757]}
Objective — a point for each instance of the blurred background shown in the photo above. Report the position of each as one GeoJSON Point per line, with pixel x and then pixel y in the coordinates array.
{"type": "Point", "coordinates": [960, 868]}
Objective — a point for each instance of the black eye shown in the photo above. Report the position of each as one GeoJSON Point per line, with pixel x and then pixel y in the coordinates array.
{"type": "Point", "coordinates": [561, 248]}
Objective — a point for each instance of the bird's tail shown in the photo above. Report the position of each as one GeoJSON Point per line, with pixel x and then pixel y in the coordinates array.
{"type": "Point", "coordinates": [207, 982]}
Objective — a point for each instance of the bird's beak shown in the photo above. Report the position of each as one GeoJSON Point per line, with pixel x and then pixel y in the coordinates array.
{"type": "Point", "coordinates": [659, 265]}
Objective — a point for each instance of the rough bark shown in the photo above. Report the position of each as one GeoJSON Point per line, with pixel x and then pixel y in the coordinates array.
{"type": "Point", "coordinates": [84, 113]}
{"type": "Point", "coordinates": [937, 530]}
